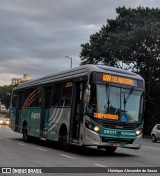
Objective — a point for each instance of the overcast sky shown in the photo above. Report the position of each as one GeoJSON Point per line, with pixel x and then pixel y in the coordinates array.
{"type": "Point", "coordinates": [36, 35]}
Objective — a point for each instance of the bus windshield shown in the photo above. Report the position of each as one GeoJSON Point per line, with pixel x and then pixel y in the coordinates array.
{"type": "Point", "coordinates": [121, 104]}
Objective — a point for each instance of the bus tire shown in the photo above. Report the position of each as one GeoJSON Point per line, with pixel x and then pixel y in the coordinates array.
{"type": "Point", "coordinates": [63, 140]}
{"type": "Point", "coordinates": [110, 149]}
{"type": "Point", "coordinates": [66, 145]}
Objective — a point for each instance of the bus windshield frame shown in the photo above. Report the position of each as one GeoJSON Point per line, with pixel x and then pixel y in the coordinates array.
{"type": "Point", "coordinates": [115, 102]}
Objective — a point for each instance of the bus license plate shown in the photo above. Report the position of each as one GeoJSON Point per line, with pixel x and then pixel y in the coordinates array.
{"type": "Point", "coordinates": [116, 145]}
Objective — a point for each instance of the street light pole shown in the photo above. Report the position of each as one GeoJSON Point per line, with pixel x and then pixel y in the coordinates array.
{"type": "Point", "coordinates": [69, 58]}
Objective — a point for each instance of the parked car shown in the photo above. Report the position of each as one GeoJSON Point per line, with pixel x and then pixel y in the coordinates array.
{"type": "Point", "coordinates": [155, 134]}
{"type": "Point", "coordinates": [4, 121]}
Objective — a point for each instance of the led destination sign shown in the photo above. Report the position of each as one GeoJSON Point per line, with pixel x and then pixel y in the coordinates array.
{"type": "Point", "coordinates": [106, 116]}
{"type": "Point", "coordinates": [117, 79]}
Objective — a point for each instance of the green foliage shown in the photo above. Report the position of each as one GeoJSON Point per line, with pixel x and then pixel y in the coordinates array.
{"type": "Point", "coordinates": [5, 94]}
{"type": "Point", "coordinates": [131, 41]}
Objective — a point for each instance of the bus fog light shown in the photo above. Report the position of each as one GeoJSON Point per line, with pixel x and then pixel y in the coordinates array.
{"type": "Point", "coordinates": [90, 126]}
{"type": "Point", "coordinates": [96, 129]}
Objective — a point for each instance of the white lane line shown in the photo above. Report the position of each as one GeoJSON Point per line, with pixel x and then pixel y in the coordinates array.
{"type": "Point", "coordinates": [8, 140]}
{"type": "Point", "coordinates": [99, 165]}
{"type": "Point", "coordinates": [22, 144]}
{"type": "Point", "coordinates": [68, 156]}
{"type": "Point", "coordinates": [41, 149]}
{"type": "Point", "coordinates": [151, 148]}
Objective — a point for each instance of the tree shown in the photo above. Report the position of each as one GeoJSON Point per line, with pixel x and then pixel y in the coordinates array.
{"type": "Point", "coordinates": [5, 94]}
{"type": "Point", "coordinates": [131, 41]}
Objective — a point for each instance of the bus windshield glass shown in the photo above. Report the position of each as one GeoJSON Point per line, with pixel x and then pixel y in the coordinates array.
{"type": "Point", "coordinates": [116, 103]}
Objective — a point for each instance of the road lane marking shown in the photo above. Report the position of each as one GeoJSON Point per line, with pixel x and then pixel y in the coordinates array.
{"type": "Point", "coordinates": [99, 165]}
{"type": "Point", "coordinates": [22, 144]}
{"type": "Point", "coordinates": [8, 140]}
{"type": "Point", "coordinates": [151, 148]}
{"type": "Point", "coordinates": [68, 156]}
{"type": "Point", "coordinates": [41, 149]}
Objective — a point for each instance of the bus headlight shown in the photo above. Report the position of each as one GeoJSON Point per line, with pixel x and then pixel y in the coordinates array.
{"type": "Point", "coordinates": [138, 132]}
{"type": "Point", "coordinates": [91, 126]}
{"type": "Point", "coordinates": [96, 129]}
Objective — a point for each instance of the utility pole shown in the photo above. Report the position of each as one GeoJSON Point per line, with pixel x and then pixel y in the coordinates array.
{"type": "Point", "coordinates": [70, 59]}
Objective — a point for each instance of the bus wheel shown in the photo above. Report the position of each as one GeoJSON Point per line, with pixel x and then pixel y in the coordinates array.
{"type": "Point", "coordinates": [66, 145]}
{"type": "Point", "coordinates": [64, 142]}
{"type": "Point", "coordinates": [63, 139]}
{"type": "Point", "coordinates": [110, 149]}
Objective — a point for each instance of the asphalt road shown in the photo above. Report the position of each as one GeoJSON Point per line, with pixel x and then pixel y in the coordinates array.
{"type": "Point", "coordinates": [14, 152]}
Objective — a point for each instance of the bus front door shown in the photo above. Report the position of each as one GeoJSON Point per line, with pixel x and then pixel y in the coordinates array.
{"type": "Point", "coordinates": [76, 117]}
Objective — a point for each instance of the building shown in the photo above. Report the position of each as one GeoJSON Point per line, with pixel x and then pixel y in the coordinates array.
{"type": "Point", "coordinates": [26, 77]}
{"type": "Point", "coordinates": [15, 81]}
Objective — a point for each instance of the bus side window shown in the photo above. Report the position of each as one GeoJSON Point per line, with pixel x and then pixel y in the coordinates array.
{"type": "Point", "coordinates": [21, 99]}
{"type": "Point", "coordinates": [56, 94]}
{"type": "Point", "coordinates": [34, 99]}
{"type": "Point", "coordinates": [48, 96]}
{"type": "Point", "coordinates": [14, 99]}
{"type": "Point", "coordinates": [38, 98]}
{"type": "Point", "coordinates": [66, 94]}
{"type": "Point", "coordinates": [26, 98]}
{"type": "Point", "coordinates": [92, 106]}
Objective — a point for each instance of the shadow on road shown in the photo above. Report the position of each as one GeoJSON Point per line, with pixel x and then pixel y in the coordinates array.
{"type": "Point", "coordinates": [83, 151]}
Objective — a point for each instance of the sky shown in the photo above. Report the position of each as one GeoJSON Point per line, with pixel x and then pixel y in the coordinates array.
{"type": "Point", "coordinates": [36, 35]}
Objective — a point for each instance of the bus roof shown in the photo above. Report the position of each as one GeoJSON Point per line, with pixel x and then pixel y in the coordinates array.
{"type": "Point", "coordinates": [84, 70]}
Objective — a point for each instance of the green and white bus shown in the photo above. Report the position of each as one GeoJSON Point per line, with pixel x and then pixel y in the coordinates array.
{"type": "Point", "coordinates": [91, 105]}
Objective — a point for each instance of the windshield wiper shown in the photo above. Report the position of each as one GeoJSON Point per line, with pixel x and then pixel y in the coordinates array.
{"type": "Point", "coordinates": [108, 101]}
{"type": "Point", "coordinates": [128, 96]}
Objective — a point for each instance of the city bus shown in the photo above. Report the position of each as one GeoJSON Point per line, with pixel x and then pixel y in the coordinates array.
{"type": "Point", "coordinates": [91, 105]}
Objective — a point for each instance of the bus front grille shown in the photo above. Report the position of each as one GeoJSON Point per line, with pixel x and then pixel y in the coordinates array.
{"type": "Point", "coordinates": [118, 125]}
{"type": "Point", "coordinates": [117, 140]}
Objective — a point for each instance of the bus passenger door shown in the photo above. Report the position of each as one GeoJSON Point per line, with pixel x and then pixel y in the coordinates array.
{"type": "Point", "coordinates": [45, 108]}
{"type": "Point", "coordinates": [76, 114]}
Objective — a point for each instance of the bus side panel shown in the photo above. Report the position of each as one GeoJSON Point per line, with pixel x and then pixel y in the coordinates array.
{"type": "Point", "coordinates": [45, 125]}
{"type": "Point", "coordinates": [57, 117]}
{"type": "Point", "coordinates": [32, 117]}
{"type": "Point", "coordinates": [53, 123]}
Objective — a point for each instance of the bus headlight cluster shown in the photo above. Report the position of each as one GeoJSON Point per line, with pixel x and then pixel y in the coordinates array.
{"type": "Point", "coordinates": [92, 127]}
{"type": "Point", "coordinates": [138, 132]}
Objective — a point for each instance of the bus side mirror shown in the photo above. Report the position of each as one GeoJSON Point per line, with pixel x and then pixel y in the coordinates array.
{"type": "Point", "coordinates": [87, 94]}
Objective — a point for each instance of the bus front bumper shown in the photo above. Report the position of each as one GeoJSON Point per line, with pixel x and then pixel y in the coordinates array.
{"type": "Point", "coordinates": [91, 138]}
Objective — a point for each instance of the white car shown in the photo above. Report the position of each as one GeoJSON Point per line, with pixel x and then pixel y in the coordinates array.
{"type": "Point", "coordinates": [4, 121]}
{"type": "Point", "coordinates": [155, 134]}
